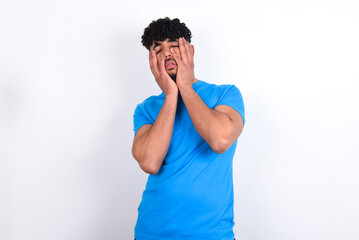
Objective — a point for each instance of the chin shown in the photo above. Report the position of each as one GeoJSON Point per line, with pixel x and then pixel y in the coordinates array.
{"type": "Point", "coordinates": [173, 76]}
{"type": "Point", "coordinates": [172, 73]}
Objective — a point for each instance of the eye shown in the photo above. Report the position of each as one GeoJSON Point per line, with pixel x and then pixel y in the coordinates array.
{"type": "Point", "coordinates": [174, 47]}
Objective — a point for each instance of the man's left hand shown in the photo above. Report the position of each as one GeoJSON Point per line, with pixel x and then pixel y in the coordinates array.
{"type": "Point", "coordinates": [185, 65]}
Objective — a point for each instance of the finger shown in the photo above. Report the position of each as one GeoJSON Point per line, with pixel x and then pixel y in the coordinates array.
{"type": "Point", "coordinates": [161, 64]}
{"type": "Point", "coordinates": [176, 56]}
{"type": "Point", "coordinates": [190, 53]}
{"type": "Point", "coordinates": [188, 48]}
{"type": "Point", "coordinates": [150, 59]}
{"type": "Point", "coordinates": [153, 62]}
{"type": "Point", "coordinates": [183, 50]}
{"type": "Point", "coordinates": [192, 49]}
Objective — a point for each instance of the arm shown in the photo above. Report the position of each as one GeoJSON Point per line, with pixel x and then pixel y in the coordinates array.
{"type": "Point", "coordinates": [219, 127]}
{"type": "Point", "coordinates": [151, 142]}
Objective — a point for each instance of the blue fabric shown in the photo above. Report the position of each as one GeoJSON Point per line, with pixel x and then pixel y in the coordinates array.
{"type": "Point", "coordinates": [191, 196]}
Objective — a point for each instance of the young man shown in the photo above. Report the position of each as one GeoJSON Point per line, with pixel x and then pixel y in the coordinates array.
{"type": "Point", "coordinates": [185, 138]}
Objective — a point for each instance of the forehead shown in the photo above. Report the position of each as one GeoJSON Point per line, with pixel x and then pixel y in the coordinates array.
{"type": "Point", "coordinates": [166, 41]}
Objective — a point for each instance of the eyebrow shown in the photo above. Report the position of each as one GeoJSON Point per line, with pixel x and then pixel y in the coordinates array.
{"type": "Point", "coordinates": [158, 43]}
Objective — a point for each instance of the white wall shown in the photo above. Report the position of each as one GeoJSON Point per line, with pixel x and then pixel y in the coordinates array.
{"type": "Point", "coordinates": [72, 72]}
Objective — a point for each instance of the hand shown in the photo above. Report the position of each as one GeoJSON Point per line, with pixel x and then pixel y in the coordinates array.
{"type": "Point", "coordinates": [185, 65]}
{"type": "Point", "coordinates": [162, 78]}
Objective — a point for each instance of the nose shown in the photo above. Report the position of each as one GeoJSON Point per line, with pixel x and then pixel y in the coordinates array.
{"type": "Point", "coordinates": [167, 53]}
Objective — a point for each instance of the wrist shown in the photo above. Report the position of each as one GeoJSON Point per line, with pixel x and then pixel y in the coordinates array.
{"type": "Point", "coordinates": [185, 87]}
{"type": "Point", "coordinates": [172, 94]}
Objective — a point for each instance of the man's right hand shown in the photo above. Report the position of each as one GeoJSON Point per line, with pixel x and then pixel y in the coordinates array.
{"type": "Point", "coordinates": [162, 78]}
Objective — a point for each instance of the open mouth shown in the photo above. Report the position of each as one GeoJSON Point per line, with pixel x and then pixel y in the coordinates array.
{"type": "Point", "coordinates": [170, 64]}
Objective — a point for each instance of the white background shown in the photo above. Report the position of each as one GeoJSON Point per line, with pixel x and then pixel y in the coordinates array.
{"type": "Point", "coordinates": [72, 72]}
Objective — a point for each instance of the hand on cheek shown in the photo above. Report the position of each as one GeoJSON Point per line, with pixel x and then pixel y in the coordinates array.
{"type": "Point", "coordinates": [184, 59]}
{"type": "Point", "coordinates": [162, 78]}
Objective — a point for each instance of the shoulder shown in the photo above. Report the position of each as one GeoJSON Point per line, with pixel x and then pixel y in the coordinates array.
{"type": "Point", "coordinates": [227, 87]}
{"type": "Point", "coordinates": [221, 87]}
{"type": "Point", "coordinates": [212, 87]}
{"type": "Point", "coordinates": [224, 89]}
{"type": "Point", "coordinates": [154, 99]}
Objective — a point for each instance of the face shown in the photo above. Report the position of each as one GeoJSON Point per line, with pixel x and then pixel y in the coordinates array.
{"type": "Point", "coordinates": [162, 49]}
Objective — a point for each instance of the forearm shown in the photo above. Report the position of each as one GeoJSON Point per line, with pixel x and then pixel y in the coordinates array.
{"type": "Point", "coordinates": [154, 143]}
{"type": "Point", "coordinates": [209, 123]}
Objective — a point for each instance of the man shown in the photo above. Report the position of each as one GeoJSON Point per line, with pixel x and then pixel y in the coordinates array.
{"type": "Point", "coordinates": [185, 138]}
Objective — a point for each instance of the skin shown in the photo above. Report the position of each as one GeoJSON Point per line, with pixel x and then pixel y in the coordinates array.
{"type": "Point", "coordinates": [182, 54]}
{"type": "Point", "coordinates": [219, 127]}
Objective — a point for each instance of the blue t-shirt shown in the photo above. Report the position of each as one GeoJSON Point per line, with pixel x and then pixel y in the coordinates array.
{"type": "Point", "coordinates": [191, 196]}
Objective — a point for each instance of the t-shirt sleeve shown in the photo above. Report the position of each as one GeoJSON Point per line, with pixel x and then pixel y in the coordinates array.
{"type": "Point", "coordinates": [232, 97]}
{"type": "Point", "coordinates": [139, 119]}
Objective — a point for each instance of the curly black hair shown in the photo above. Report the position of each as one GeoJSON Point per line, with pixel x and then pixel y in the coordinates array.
{"type": "Point", "coordinates": [164, 28]}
